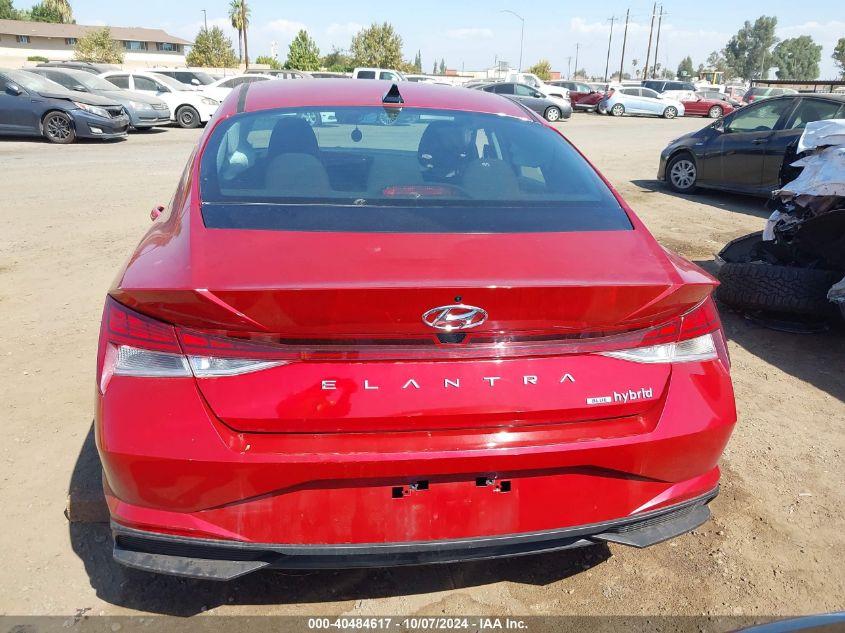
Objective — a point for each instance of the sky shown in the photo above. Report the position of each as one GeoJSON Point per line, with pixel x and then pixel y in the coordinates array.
{"type": "Point", "coordinates": [472, 35]}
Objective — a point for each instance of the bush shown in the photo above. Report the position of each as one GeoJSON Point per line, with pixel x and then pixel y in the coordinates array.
{"type": "Point", "coordinates": [37, 58]}
{"type": "Point", "coordinates": [98, 47]}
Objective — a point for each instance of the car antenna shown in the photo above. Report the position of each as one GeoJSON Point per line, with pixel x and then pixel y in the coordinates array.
{"type": "Point", "coordinates": [392, 96]}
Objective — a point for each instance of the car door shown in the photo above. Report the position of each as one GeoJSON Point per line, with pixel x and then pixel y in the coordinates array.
{"type": "Point", "coordinates": [17, 110]}
{"type": "Point", "coordinates": [742, 144]}
{"type": "Point", "coordinates": [630, 99]}
{"type": "Point", "coordinates": [783, 141]}
{"type": "Point", "coordinates": [650, 101]}
{"type": "Point", "coordinates": [530, 98]}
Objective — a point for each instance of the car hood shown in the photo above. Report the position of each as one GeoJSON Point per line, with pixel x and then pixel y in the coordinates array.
{"type": "Point", "coordinates": [81, 97]}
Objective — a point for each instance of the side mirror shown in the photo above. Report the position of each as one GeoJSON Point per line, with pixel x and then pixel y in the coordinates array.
{"type": "Point", "coordinates": [156, 212]}
{"type": "Point", "coordinates": [14, 90]}
{"type": "Point", "coordinates": [719, 126]}
{"type": "Point", "coordinates": [195, 81]}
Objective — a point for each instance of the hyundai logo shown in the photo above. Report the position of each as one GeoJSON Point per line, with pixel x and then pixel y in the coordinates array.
{"type": "Point", "coordinates": [454, 317]}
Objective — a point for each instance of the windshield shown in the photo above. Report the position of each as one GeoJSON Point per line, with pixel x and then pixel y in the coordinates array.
{"type": "Point", "coordinates": [403, 170]}
{"type": "Point", "coordinates": [170, 82]}
{"type": "Point", "coordinates": [34, 82]}
{"type": "Point", "coordinates": [91, 81]}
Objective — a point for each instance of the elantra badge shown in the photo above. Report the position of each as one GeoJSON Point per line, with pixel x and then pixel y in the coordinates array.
{"type": "Point", "coordinates": [454, 317]}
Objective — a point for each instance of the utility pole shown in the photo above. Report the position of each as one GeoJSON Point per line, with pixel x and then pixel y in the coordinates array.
{"type": "Point", "coordinates": [657, 44]}
{"type": "Point", "coordinates": [609, 41]}
{"type": "Point", "coordinates": [205, 18]}
{"type": "Point", "coordinates": [648, 50]}
{"type": "Point", "coordinates": [577, 46]}
{"type": "Point", "coordinates": [624, 41]}
{"type": "Point", "coordinates": [569, 67]}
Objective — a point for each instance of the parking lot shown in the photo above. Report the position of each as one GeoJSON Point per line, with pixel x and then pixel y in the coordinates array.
{"type": "Point", "coordinates": [72, 214]}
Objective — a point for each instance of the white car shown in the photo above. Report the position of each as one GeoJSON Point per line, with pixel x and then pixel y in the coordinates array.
{"type": "Point", "coordinates": [188, 107]}
{"type": "Point", "coordinates": [221, 88]}
{"type": "Point", "coordinates": [378, 73]}
{"type": "Point", "coordinates": [555, 93]}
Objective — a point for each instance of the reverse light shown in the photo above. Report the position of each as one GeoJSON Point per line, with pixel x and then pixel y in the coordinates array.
{"type": "Point", "coordinates": [696, 349]}
{"type": "Point", "coordinates": [132, 344]}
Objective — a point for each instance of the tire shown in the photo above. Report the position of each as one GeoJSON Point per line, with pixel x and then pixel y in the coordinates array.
{"type": "Point", "coordinates": [187, 117]}
{"type": "Point", "coordinates": [682, 173]}
{"type": "Point", "coordinates": [58, 127]}
{"type": "Point", "coordinates": [552, 114]}
{"type": "Point", "coordinates": [670, 113]}
{"type": "Point", "coordinates": [782, 289]}
{"type": "Point", "coordinates": [617, 110]}
{"type": "Point", "coordinates": [715, 112]}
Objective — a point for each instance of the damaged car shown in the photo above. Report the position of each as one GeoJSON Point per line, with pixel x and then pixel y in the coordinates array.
{"type": "Point", "coordinates": [792, 267]}
{"type": "Point", "coordinates": [31, 105]}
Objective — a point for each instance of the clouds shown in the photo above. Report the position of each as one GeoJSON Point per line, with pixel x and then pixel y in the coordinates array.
{"type": "Point", "coordinates": [343, 30]}
{"type": "Point", "coordinates": [287, 28]}
{"type": "Point", "coordinates": [470, 34]}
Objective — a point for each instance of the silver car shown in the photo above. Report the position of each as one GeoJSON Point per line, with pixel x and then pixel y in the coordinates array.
{"type": "Point", "coordinates": [637, 100]}
{"type": "Point", "coordinates": [145, 111]}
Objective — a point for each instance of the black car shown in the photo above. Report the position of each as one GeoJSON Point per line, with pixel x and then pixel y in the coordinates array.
{"type": "Point", "coordinates": [31, 105]}
{"type": "Point", "coordinates": [530, 98]}
{"type": "Point", "coordinates": [748, 151]}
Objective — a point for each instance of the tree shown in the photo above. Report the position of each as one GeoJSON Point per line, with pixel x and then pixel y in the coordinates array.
{"type": "Point", "coordinates": [839, 55]}
{"type": "Point", "coordinates": [58, 11]}
{"type": "Point", "coordinates": [338, 61]}
{"type": "Point", "coordinates": [667, 73]}
{"type": "Point", "coordinates": [418, 63]}
{"type": "Point", "coordinates": [212, 48]}
{"type": "Point", "coordinates": [442, 66]}
{"type": "Point", "coordinates": [266, 60]}
{"type": "Point", "coordinates": [797, 58]}
{"type": "Point", "coordinates": [434, 68]}
{"type": "Point", "coordinates": [378, 45]}
{"type": "Point", "coordinates": [716, 61]}
{"type": "Point", "coordinates": [98, 47]}
{"type": "Point", "coordinates": [237, 16]}
{"type": "Point", "coordinates": [685, 68]}
{"type": "Point", "coordinates": [8, 11]}
{"type": "Point", "coordinates": [747, 53]}
{"type": "Point", "coordinates": [634, 63]}
{"type": "Point", "coordinates": [543, 69]}
{"type": "Point", "coordinates": [303, 53]}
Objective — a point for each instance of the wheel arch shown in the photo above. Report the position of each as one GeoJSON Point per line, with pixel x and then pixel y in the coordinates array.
{"type": "Point", "coordinates": [50, 111]}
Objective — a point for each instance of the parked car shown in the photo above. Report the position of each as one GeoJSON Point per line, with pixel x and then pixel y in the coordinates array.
{"type": "Point", "coordinates": [704, 106]}
{"type": "Point", "coordinates": [196, 78]}
{"type": "Point", "coordinates": [31, 105]}
{"type": "Point", "coordinates": [758, 93]}
{"type": "Point", "coordinates": [378, 73]}
{"type": "Point", "coordinates": [550, 109]}
{"type": "Point", "coordinates": [719, 96]}
{"type": "Point", "coordinates": [283, 74]}
{"type": "Point", "coordinates": [221, 88]}
{"type": "Point", "coordinates": [144, 111]}
{"type": "Point", "coordinates": [749, 150]}
{"type": "Point", "coordinates": [632, 100]}
{"type": "Point", "coordinates": [189, 108]}
{"type": "Point", "coordinates": [581, 95]}
{"type": "Point", "coordinates": [678, 90]}
{"type": "Point", "coordinates": [324, 74]}
{"type": "Point", "coordinates": [486, 327]}
{"type": "Point", "coordinates": [89, 67]}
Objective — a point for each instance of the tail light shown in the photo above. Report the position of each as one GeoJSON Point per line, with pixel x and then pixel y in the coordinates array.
{"type": "Point", "coordinates": [695, 336]}
{"type": "Point", "coordinates": [132, 344]}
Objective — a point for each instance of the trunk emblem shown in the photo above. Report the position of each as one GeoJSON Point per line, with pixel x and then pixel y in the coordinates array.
{"type": "Point", "coordinates": [454, 317]}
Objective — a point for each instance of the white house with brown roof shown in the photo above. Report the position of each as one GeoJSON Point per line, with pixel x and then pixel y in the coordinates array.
{"type": "Point", "coordinates": [141, 47]}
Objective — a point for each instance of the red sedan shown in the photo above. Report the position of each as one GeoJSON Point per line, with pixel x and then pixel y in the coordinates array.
{"type": "Point", "coordinates": [702, 106]}
{"type": "Point", "coordinates": [582, 96]}
{"type": "Point", "coordinates": [375, 328]}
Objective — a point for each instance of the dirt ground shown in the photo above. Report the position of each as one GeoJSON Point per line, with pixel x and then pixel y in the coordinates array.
{"type": "Point", "coordinates": [70, 215]}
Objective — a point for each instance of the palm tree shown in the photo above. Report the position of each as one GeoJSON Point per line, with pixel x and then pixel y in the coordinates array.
{"type": "Point", "coordinates": [239, 15]}
{"type": "Point", "coordinates": [62, 8]}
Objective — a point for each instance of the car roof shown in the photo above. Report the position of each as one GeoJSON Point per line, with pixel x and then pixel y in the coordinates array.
{"type": "Point", "coordinates": [265, 95]}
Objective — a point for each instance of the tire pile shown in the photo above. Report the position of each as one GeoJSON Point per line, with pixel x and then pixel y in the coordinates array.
{"type": "Point", "coordinates": [793, 268]}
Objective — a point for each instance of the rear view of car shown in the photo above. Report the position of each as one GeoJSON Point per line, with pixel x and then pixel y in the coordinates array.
{"type": "Point", "coordinates": [427, 332]}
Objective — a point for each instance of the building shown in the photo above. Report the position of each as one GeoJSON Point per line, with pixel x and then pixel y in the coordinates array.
{"type": "Point", "coordinates": [141, 47]}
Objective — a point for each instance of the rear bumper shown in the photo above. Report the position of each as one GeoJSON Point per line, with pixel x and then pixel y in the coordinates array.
{"type": "Point", "coordinates": [224, 560]}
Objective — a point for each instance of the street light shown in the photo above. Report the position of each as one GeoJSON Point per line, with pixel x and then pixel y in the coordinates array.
{"type": "Point", "coordinates": [205, 18]}
{"type": "Point", "coordinates": [521, 33]}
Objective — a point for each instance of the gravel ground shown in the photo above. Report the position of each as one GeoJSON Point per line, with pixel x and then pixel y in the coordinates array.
{"type": "Point", "coordinates": [71, 215]}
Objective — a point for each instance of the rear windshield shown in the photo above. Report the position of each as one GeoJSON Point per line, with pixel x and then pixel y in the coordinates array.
{"type": "Point", "coordinates": [392, 170]}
